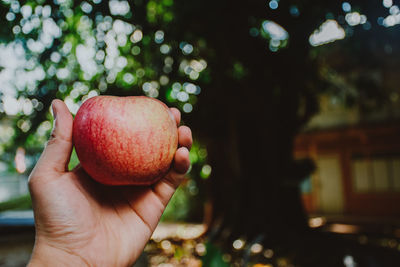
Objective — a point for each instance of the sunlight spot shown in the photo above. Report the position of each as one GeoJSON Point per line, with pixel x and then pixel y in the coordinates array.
{"type": "Point", "coordinates": [136, 36]}
{"type": "Point", "coordinates": [275, 31]}
{"type": "Point", "coordinates": [256, 248]}
{"type": "Point", "coordinates": [205, 171]}
{"type": "Point", "coordinates": [164, 80]}
{"type": "Point", "coordinates": [16, 29]}
{"type": "Point", "coordinates": [363, 19]}
{"type": "Point", "coordinates": [189, 88]}
{"type": "Point", "coordinates": [187, 108]}
{"type": "Point", "coordinates": [194, 75]}
{"type": "Point", "coordinates": [328, 32]}
{"type": "Point", "coordinates": [10, 105]}
{"type": "Point", "coordinates": [72, 106]}
{"type": "Point", "coordinates": [166, 245]}
{"type": "Point", "coordinates": [387, 3]}
{"type": "Point", "coordinates": [391, 20]}
{"type": "Point", "coordinates": [187, 49]}
{"type": "Point", "coordinates": [15, 6]}
{"type": "Point", "coordinates": [268, 253]}
{"type": "Point", "coordinates": [394, 10]}
{"type": "Point", "coordinates": [119, 7]}
{"type": "Point", "coordinates": [165, 49]}
{"type": "Point", "coordinates": [238, 244]}
{"type": "Point", "coordinates": [182, 96]}
{"type": "Point", "coordinates": [353, 18]}
{"type": "Point", "coordinates": [120, 27]}
{"type": "Point", "coordinates": [93, 93]}
{"type": "Point", "coordinates": [348, 261]}
{"type": "Point", "coordinates": [27, 107]}
{"type": "Point", "coordinates": [294, 11]}
{"type": "Point", "coordinates": [135, 50]}
{"type": "Point", "coordinates": [129, 78]}
{"type": "Point", "coordinates": [10, 16]}
{"type": "Point", "coordinates": [43, 128]}
{"type": "Point", "coordinates": [159, 37]}
{"type": "Point", "coordinates": [46, 11]}
{"type": "Point", "coordinates": [200, 249]}
{"type": "Point", "coordinates": [26, 11]}
{"type": "Point", "coordinates": [62, 73]}
{"type": "Point", "coordinates": [276, 34]}
{"type": "Point", "coordinates": [86, 7]}
{"type": "Point", "coordinates": [51, 28]}
{"type": "Point", "coordinates": [346, 6]}
{"type": "Point", "coordinates": [273, 4]}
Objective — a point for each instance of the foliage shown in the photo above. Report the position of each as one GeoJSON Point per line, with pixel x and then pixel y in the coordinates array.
{"type": "Point", "coordinates": [74, 50]}
{"type": "Point", "coordinates": [213, 257]}
{"type": "Point", "coordinates": [18, 203]}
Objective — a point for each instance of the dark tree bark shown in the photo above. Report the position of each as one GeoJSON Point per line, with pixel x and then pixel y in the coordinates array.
{"type": "Point", "coordinates": [250, 122]}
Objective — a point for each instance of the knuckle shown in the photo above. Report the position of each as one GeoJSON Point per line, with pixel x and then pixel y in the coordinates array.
{"type": "Point", "coordinates": [56, 138]}
{"type": "Point", "coordinates": [53, 138]}
{"type": "Point", "coordinates": [51, 141]}
{"type": "Point", "coordinates": [174, 181]}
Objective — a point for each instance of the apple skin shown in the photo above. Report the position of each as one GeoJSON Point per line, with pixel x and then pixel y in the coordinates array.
{"type": "Point", "coordinates": [125, 140]}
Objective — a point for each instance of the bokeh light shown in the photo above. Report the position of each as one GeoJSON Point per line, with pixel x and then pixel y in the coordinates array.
{"type": "Point", "coordinates": [328, 32]}
{"type": "Point", "coordinates": [273, 4]}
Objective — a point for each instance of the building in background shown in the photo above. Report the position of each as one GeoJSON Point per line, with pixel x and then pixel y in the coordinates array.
{"type": "Point", "coordinates": [357, 163]}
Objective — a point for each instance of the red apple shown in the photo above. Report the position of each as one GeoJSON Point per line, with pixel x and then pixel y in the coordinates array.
{"type": "Point", "coordinates": [125, 140]}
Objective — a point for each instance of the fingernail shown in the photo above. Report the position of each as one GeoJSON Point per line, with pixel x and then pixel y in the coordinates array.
{"type": "Point", "coordinates": [171, 115]}
{"type": "Point", "coordinates": [54, 110]}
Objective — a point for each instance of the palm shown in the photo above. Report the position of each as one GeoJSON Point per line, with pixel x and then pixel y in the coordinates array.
{"type": "Point", "coordinates": [110, 218]}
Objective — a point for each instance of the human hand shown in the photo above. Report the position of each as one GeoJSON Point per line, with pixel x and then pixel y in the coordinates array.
{"type": "Point", "coordinates": [80, 222]}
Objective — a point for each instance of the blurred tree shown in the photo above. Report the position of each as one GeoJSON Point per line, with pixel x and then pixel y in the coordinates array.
{"type": "Point", "coordinates": [264, 84]}
{"type": "Point", "coordinates": [246, 74]}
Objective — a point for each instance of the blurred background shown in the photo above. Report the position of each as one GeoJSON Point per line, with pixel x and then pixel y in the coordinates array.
{"type": "Point", "coordinates": [294, 107]}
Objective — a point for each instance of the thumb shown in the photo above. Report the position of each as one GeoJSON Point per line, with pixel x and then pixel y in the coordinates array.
{"type": "Point", "coordinates": [58, 150]}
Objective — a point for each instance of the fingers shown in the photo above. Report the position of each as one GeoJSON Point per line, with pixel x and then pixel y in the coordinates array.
{"type": "Point", "coordinates": [58, 150]}
{"type": "Point", "coordinates": [184, 132]}
{"type": "Point", "coordinates": [185, 137]}
{"type": "Point", "coordinates": [177, 115]}
{"type": "Point", "coordinates": [181, 160]}
{"type": "Point", "coordinates": [166, 187]}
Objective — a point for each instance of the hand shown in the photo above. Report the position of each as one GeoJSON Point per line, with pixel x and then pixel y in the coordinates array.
{"type": "Point", "coordinates": [80, 222]}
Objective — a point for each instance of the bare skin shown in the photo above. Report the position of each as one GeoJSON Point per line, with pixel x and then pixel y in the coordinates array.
{"type": "Point", "coordinates": [80, 222]}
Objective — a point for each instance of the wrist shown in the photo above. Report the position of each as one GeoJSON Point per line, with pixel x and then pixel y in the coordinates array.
{"type": "Point", "coordinates": [47, 255]}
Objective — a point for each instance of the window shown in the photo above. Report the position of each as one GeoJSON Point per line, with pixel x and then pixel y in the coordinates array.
{"type": "Point", "coordinates": [376, 174]}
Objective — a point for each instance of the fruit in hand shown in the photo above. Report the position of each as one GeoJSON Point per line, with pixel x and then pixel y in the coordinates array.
{"type": "Point", "coordinates": [125, 140]}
